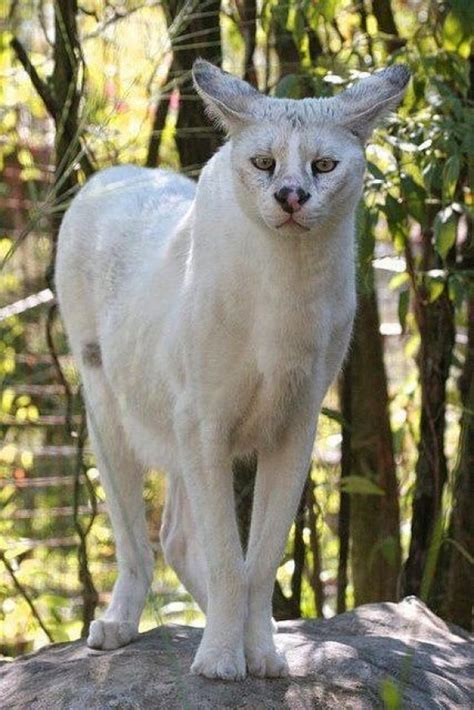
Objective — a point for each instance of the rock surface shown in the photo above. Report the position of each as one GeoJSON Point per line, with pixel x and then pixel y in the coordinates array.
{"type": "Point", "coordinates": [344, 662]}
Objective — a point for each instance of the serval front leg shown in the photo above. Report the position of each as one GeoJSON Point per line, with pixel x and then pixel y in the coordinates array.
{"type": "Point", "coordinates": [207, 473]}
{"type": "Point", "coordinates": [281, 475]}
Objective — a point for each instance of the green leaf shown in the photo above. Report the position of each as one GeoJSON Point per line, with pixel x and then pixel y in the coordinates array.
{"type": "Point", "coordinates": [451, 171]}
{"type": "Point", "coordinates": [391, 694]}
{"type": "Point", "coordinates": [457, 290]}
{"type": "Point", "coordinates": [464, 9]}
{"type": "Point", "coordinates": [299, 30]}
{"type": "Point", "coordinates": [360, 485]}
{"type": "Point", "coordinates": [375, 171]}
{"type": "Point", "coordinates": [396, 219]}
{"type": "Point", "coordinates": [403, 305]}
{"type": "Point", "coordinates": [398, 280]}
{"type": "Point", "coordinates": [445, 231]}
{"type": "Point", "coordinates": [333, 414]}
{"type": "Point", "coordinates": [365, 235]}
{"type": "Point", "coordinates": [457, 29]}
{"type": "Point", "coordinates": [280, 12]}
{"type": "Point", "coordinates": [435, 289]}
{"type": "Point", "coordinates": [328, 9]}
{"type": "Point", "coordinates": [414, 196]}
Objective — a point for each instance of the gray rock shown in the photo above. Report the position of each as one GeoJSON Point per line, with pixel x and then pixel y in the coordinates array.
{"type": "Point", "coordinates": [343, 662]}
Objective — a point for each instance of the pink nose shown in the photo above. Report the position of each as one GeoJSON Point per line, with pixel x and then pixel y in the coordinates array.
{"type": "Point", "coordinates": [291, 199]}
{"type": "Point", "coordinates": [294, 201]}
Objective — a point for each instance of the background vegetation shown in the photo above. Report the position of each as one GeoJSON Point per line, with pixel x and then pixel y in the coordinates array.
{"type": "Point", "coordinates": [386, 510]}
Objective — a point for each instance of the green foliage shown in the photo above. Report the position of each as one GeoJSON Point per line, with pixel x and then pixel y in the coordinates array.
{"type": "Point", "coordinates": [458, 27]}
{"type": "Point", "coordinates": [391, 695]}
{"type": "Point", "coordinates": [445, 225]}
{"type": "Point", "coordinates": [403, 306]}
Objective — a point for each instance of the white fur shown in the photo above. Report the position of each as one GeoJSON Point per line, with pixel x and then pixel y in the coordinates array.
{"type": "Point", "coordinates": [203, 331]}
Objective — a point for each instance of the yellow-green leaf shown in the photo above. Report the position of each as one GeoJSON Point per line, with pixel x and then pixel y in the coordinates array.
{"type": "Point", "coordinates": [456, 36]}
{"type": "Point", "coordinates": [450, 176]}
{"type": "Point", "coordinates": [391, 695]}
{"type": "Point", "coordinates": [445, 231]}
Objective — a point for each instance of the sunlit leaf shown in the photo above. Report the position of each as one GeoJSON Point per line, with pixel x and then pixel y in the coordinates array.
{"type": "Point", "coordinates": [456, 35]}
{"type": "Point", "coordinates": [26, 459]}
{"type": "Point", "coordinates": [8, 397]}
{"type": "Point", "coordinates": [450, 176]}
{"type": "Point", "coordinates": [391, 694]}
{"type": "Point", "coordinates": [375, 171]}
{"type": "Point", "coordinates": [333, 414]}
{"type": "Point", "coordinates": [445, 231]}
{"type": "Point", "coordinates": [399, 280]}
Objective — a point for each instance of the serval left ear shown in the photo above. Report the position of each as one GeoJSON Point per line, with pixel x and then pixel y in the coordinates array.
{"type": "Point", "coordinates": [364, 105]}
{"type": "Point", "coordinates": [229, 100]}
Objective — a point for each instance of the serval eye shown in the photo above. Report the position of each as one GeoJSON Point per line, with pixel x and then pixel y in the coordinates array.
{"type": "Point", "coordinates": [323, 165]}
{"type": "Point", "coordinates": [263, 162]}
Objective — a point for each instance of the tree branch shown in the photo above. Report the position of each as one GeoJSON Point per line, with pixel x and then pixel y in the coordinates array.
{"type": "Point", "coordinates": [25, 595]}
{"type": "Point", "coordinates": [40, 85]}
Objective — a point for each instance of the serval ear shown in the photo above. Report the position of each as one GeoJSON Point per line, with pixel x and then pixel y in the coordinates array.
{"type": "Point", "coordinates": [361, 107]}
{"type": "Point", "coordinates": [229, 100]}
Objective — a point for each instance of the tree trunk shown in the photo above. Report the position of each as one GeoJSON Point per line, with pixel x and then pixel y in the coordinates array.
{"type": "Point", "coordinates": [375, 537]}
{"type": "Point", "coordinates": [383, 13]}
{"type": "Point", "coordinates": [436, 326]}
{"type": "Point", "coordinates": [384, 16]}
{"type": "Point", "coordinates": [195, 137]}
{"type": "Point", "coordinates": [287, 51]}
{"type": "Point", "coordinates": [460, 578]}
{"type": "Point", "coordinates": [248, 10]}
{"type": "Point", "coordinates": [66, 80]}
{"type": "Point", "coordinates": [375, 519]}
{"type": "Point", "coordinates": [159, 120]}
{"type": "Point", "coordinates": [459, 586]}
{"type": "Point", "coordinates": [367, 447]}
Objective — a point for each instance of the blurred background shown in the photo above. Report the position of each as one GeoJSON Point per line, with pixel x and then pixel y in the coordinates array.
{"type": "Point", "coordinates": [387, 508]}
